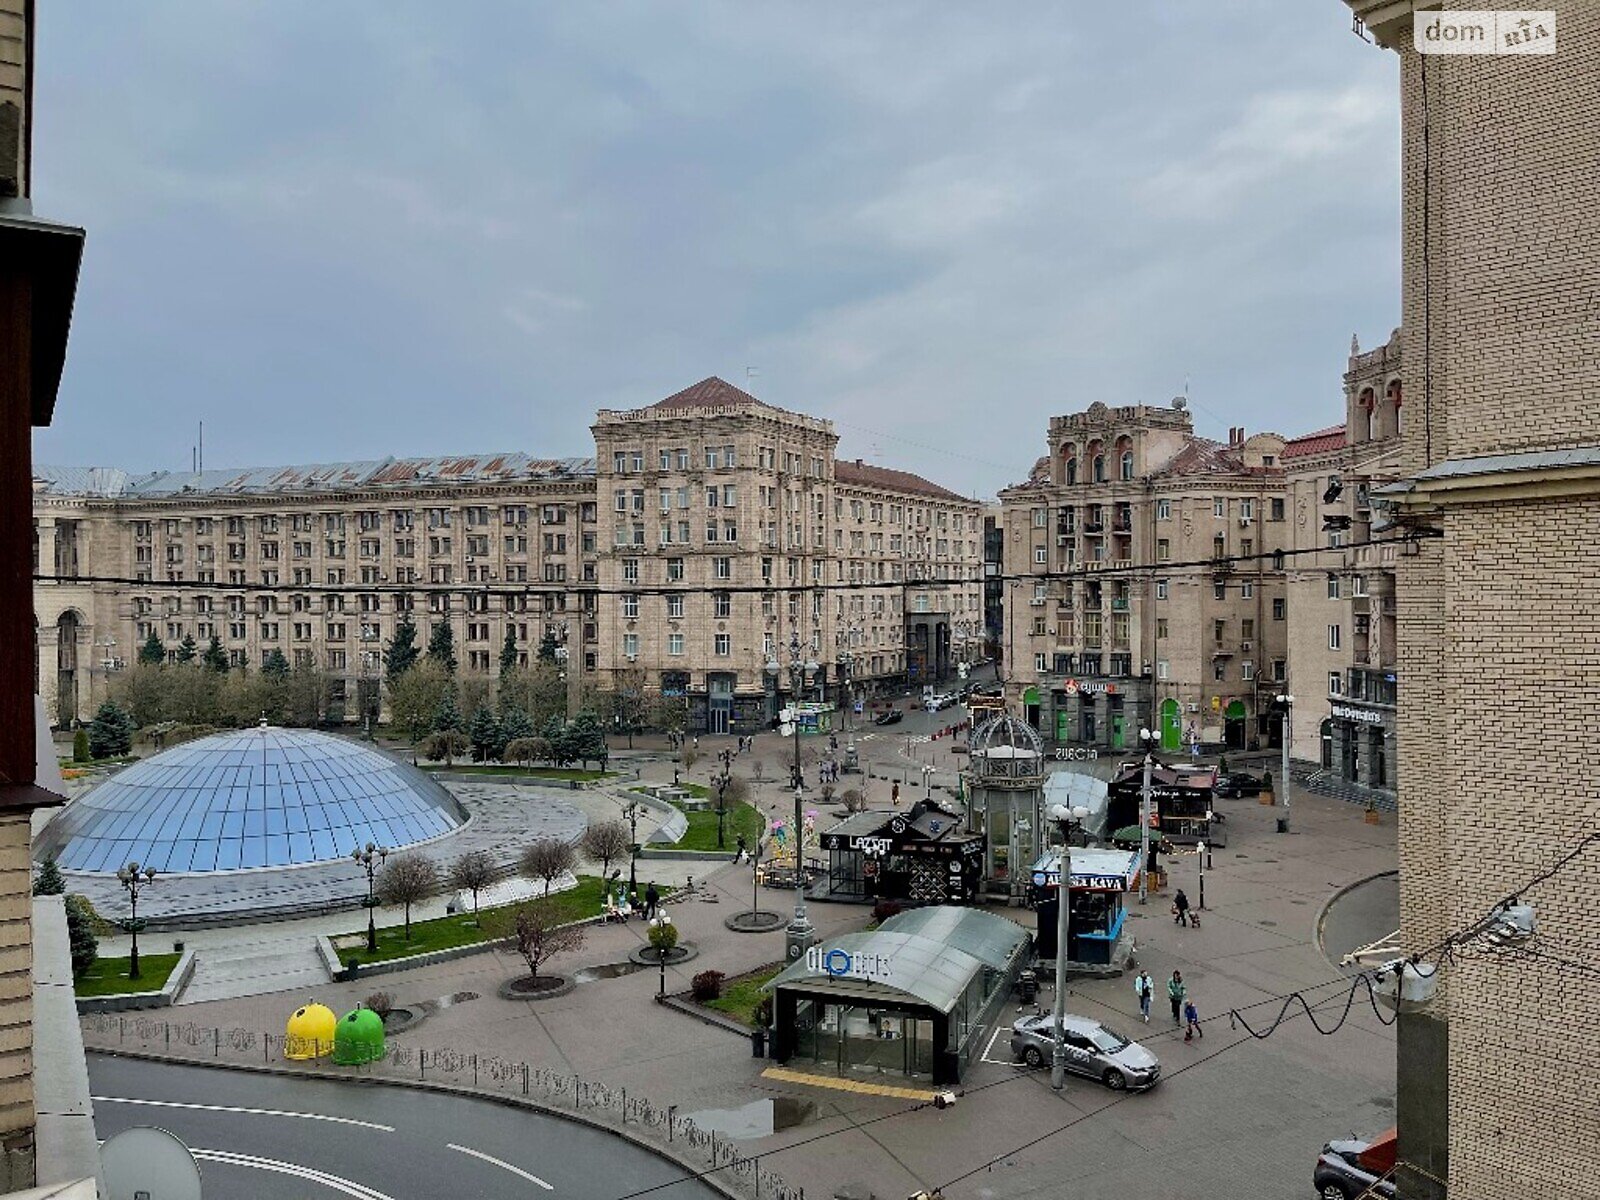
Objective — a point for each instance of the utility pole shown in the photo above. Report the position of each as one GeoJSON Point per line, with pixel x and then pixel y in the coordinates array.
{"type": "Point", "coordinates": [1148, 737]}
{"type": "Point", "coordinates": [1287, 702]}
{"type": "Point", "coordinates": [1065, 816]}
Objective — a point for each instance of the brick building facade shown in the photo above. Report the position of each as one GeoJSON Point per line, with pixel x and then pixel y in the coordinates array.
{"type": "Point", "coordinates": [1499, 643]}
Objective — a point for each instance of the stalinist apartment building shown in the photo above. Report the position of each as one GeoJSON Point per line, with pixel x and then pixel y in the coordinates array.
{"type": "Point", "coordinates": [1124, 605]}
{"type": "Point", "coordinates": [1343, 672]}
{"type": "Point", "coordinates": [709, 533]}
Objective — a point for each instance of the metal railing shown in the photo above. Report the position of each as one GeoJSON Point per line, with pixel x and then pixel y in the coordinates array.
{"type": "Point", "coordinates": [699, 1151]}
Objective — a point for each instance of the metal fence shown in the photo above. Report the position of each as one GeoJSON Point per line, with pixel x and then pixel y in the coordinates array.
{"type": "Point", "coordinates": [702, 1152]}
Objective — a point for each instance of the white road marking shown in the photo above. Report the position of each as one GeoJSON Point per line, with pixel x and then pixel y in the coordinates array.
{"type": "Point", "coordinates": [489, 1158]}
{"type": "Point", "coordinates": [338, 1183]}
{"type": "Point", "coordinates": [999, 1062]}
{"type": "Point", "coordinates": [255, 1112]}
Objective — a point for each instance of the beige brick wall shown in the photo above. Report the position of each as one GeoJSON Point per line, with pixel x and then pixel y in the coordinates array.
{"type": "Point", "coordinates": [1500, 638]}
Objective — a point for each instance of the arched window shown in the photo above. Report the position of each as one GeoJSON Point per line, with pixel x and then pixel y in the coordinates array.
{"type": "Point", "coordinates": [1069, 463]}
{"type": "Point", "coordinates": [1370, 407]}
{"type": "Point", "coordinates": [1396, 401]}
{"type": "Point", "coordinates": [1099, 468]}
{"type": "Point", "coordinates": [1127, 464]}
{"type": "Point", "coordinates": [1072, 470]}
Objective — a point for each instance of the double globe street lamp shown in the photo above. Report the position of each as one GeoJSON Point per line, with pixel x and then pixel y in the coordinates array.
{"type": "Point", "coordinates": [370, 860]}
{"type": "Point", "coordinates": [800, 934]}
{"type": "Point", "coordinates": [1065, 816]}
{"type": "Point", "coordinates": [134, 879]}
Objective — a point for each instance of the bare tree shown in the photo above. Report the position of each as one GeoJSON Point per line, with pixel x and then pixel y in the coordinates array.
{"type": "Point", "coordinates": [737, 791]}
{"type": "Point", "coordinates": [405, 880]}
{"type": "Point", "coordinates": [758, 771]}
{"type": "Point", "coordinates": [472, 872]}
{"type": "Point", "coordinates": [547, 859]}
{"type": "Point", "coordinates": [537, 933]}
{"type": "Point", "coordinates": [854, 800]}
{"type": "Point", "coordinates": [606, 842]}
{"type": "Point", "coordinates": [688, 756]}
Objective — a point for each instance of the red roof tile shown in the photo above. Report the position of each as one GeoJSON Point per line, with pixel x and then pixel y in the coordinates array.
{"type": "Point", "coordinates": [865, 475]}
{"type": "Point", "coordinates": [708, 393]}
{"type": "Point", "coordinates": [1320, 442]}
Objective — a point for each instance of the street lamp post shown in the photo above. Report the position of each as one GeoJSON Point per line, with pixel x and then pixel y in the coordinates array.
{"type": "Point", "coordinates": [134, 879]}
{"type": "Point", "coordinates": [370, 860]}
{"type": "Point", "coordinates": [1200, 855]}
{"type": "Point", "coordinates": [721, 782]}
{"type": "Point", "coordinates": [799, 934]}
{"type": "Point", "coordinates": [1148, 739]}
{"type": "Point", "coordinates": [631, 811]}
{"type": "Point", "coordinates": [1064, 816]}
{"type": "Point", "coordinates": [1287, 701]}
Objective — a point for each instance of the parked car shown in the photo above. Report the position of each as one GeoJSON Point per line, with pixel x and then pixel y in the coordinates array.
{"type": "Point", "coordinates": [1092, 1050]}
{"type": "Point", "coordinates": [943, 700]}
{"type": "Point", "coordinates": [1346, 1169]}
{"type": "Point", "coordinates": [1238, 783]}
{"type": "Point", "coordinates": [892, 716]}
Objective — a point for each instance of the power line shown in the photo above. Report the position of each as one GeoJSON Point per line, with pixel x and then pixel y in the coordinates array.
{"type": "Point", "coordinates": [1213, 563]}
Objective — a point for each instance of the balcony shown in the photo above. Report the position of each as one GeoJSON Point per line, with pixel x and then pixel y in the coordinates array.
{"type": "Point", "coordinates": [1094, 528]}
{"type": "Point", "coordinates": [1119, 604]}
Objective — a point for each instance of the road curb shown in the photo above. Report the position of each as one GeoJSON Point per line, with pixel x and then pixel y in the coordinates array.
{"type": "Point", "coordinates": [1322, 912]}
{"type": "Point", "coordinates": [449, 1089]}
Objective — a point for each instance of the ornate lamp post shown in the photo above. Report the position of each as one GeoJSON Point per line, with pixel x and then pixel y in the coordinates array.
{"type": "Point", "coordinates": [134, 879]}
{"type": "Point", "coordinates": [1065, 817]}
{"type": "Point", "coordinates": [370, 860]}
{"type": "Point", "coordinates": [1287, 701]}
{"type": "Point", "coordinates": [1148, 738]}
{"type": "Point", "coordinates": [631, 811]}
{"type": "Point", "coordinates": [800, 934]}
{"type": "Point", "coordinates": [721, 783]}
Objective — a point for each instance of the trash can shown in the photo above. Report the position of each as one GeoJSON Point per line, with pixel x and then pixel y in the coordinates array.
{"type": "Point", "coordinates": [758, 1043]}
{"type": "Point", "coordinates": [1283, 824]}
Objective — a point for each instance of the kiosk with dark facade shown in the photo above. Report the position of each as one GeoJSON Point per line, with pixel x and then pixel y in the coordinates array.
{"type": "Point", "coordinates": [915, 997]}
{"type": "Point", "coordinates": [1180, 798]}
{"type": "Point", "coordinates": [923, 856]}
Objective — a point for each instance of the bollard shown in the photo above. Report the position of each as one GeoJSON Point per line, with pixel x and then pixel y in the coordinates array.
{"type": "Point", "coordinates": [216, 1043]}
{"type": "Point", "coordinates": [474, 1070]}
{"type": "Point", "coordinates": [624, 1106]}
{"type": "Point", "coordinates": [524, 1079]}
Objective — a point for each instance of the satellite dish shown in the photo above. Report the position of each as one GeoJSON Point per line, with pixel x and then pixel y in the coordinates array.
{"type": "Point", "coordinates": [786, 730]}
{"type": "Point", "coordinates": [149, 1162]}
{"type": "Point", "coordinates": [1179, 403]}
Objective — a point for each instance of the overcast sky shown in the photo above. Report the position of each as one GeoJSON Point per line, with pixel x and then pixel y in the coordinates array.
{"type": "Point", "coordinates": [359, 229]}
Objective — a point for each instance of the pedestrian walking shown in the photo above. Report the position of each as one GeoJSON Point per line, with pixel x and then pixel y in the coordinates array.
{"type": "Point", "coordinates": [1191, 1017]}
{"type": "Point", "coordinates": [1177, 991]}
{"type": "Point", "coordinates": [1180, 909]}
{"type": "Point", "coordinates": [1144, 988]}
{"type": "Point", "coordinates": [652, 902]}
{"type": "Point", "coordinates": [740, 851]}
{"type": "Point", "coordinates": [697, 741]}
{"type": "Point", "coordinates": [894, 794]}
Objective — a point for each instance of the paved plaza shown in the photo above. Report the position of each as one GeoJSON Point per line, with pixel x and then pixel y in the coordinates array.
{"type": "Point", "coordinates": [1233, 1116]}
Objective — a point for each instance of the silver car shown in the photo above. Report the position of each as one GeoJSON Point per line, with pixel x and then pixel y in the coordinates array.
{"type": "Point", "coordinates": [1092, 1050]}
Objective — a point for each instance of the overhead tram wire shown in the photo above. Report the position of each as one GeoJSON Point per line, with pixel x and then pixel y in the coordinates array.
{"type": "Point", "coordinates": [540, 587]}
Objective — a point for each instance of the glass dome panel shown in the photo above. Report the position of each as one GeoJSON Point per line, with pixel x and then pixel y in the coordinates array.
{"type": "Point", "coordinates": [262, 797]}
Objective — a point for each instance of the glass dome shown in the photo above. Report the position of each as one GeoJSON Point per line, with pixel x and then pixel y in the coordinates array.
{"type": "Point", "coordinates": [262, 797]}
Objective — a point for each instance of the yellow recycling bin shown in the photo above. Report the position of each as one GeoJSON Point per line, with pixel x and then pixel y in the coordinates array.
{"type": "Point", "coordinates": [310, 1032]}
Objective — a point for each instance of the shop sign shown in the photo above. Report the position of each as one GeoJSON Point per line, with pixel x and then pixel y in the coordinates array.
{"type": "Point", "coordinates": [1346, 713]}
{"type": "Point", "coordinates": [1088, 687]}
{"type": "Point", "coordinates": [842, 964]}
{"type": "Point", "coordinates": [1076, 754]}
{"type": "Point", "coordinates": [874, 847]}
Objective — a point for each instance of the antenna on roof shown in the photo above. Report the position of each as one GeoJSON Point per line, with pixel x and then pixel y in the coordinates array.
{"type": "Point", "coordinates": [201, 451]}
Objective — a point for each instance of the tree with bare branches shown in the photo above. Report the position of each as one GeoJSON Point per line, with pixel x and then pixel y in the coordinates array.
{"type": "Point", "coordinates": [537, 933]}
{"type": "Point", "coordinates": [404, 880]}
{"type": "Point", "coordinates": [472, 872]}
{"type": "Point", "coordinates": [547, 859]}
{"type": "Point", "coordinates": [605, 843]}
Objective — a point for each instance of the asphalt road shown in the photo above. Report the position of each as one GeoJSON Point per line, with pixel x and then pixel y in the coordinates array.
{"type": "Point", "coordinates": [269, 1137]}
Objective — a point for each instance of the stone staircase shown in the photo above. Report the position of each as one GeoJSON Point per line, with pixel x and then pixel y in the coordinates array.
{"type": "Point", "coordinates": [255, 968]}
{"type": "Point", "coordinates": [1321, 782]}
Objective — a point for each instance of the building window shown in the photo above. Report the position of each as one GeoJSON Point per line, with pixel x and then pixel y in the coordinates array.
{"type": "Point", "coordinates": [1161, 627]}
{"type": "Point", "coordinates": [630, 570]}
{"type": "Point", "coordinates": [722, 603]}
{"type": "Point", "coordinates": [722, 645]}
{"type": "Point", "coordinates": [674, 570]}
{"type": "Point", "coordinates": [1333, 591]}
{"type": "Point", "coordinates": [722, 568]}
{"type": "Point", "coordinates": [1219, 507]}
{"type": "Point", "coordinates": [674, 643]}
{"type": "Point", "coordinates": [1127, 464]}
{"type": "Point", "coordinates": [630, 645]}
{"type": "Point", "coordinates": [1040, 556]}
{"type": "Point", "coordinates": [1280, 669]}
{"type": "Point", "coordinates": [1163, 510]}
{"type": "Point", "coordinates": [1277, 509]}
{"type": "Point", "coordinates": [630, 607]}
{"type": "Point", "coordinates": [1219, 590]}
{"type": "Point", "coordinates": [1247, 590]}
{"type": "Point", "coordinates": [1280, 608]}
{"type": "Point", "coordinates": [1041, 664]}
{"type": "Point", "coordinates": [1161, 589]}
{"type": "Point", "coordinates": [1163, 669]}
{"type": "Point", "coordinates": [1335, 681]}
{"type": "Point", "coordinates": [1219, 669]}
{"type": "Point", "coordinates": [675, 606]}
{"type": "Point", "coordinates": [1163, 550]}
{"type": "Point", "coordinates": [1247, 670]}
{"type": "Point", "coordinates": [1247, 509]}
{"type": "Point", "coordinates": [1334, 638]}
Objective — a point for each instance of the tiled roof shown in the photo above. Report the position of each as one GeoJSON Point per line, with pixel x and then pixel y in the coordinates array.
{"type": "Point", "coordinates": [708, 393]}
{"type": "Point", "coordinates": [863, 474]}
{"type": "Point", "coordinates": [319, 477]}
{"type": "Point", "coordinates": [1200, 456]}
{"type": "Point", "coordinates": [1320, 442]}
